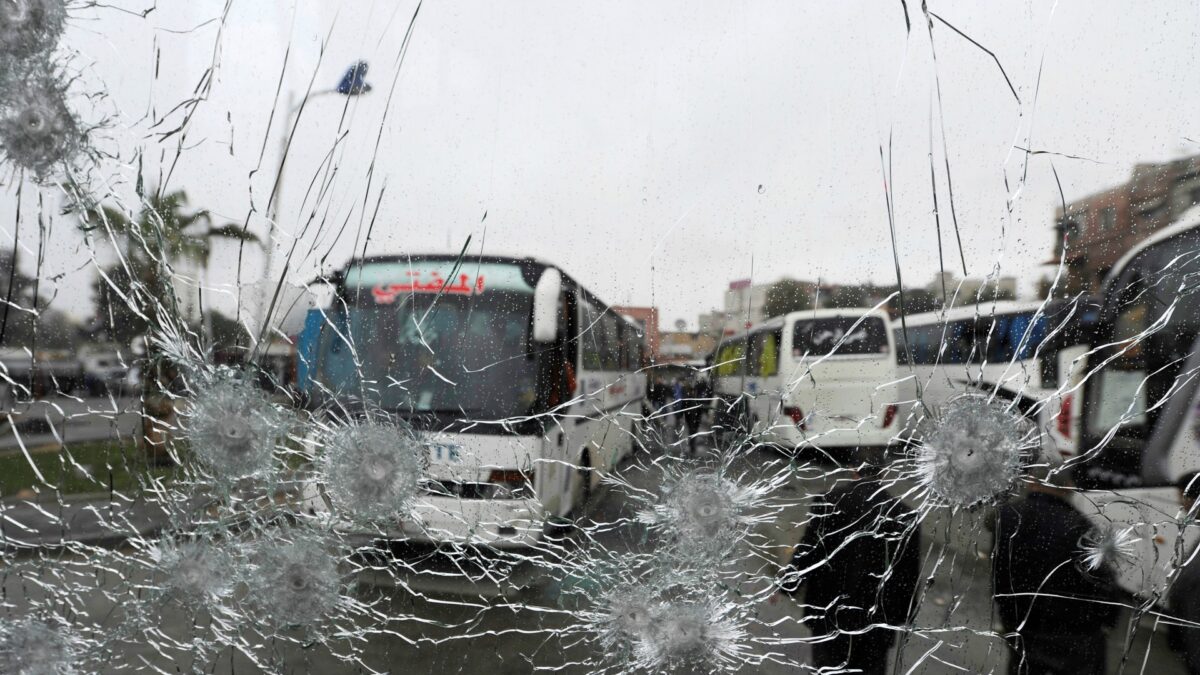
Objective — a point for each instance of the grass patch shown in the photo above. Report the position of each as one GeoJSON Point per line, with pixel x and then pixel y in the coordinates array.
{"type": "Point", "coordinates": [80, 467]}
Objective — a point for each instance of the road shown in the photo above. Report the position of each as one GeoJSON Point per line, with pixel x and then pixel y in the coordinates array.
{"type": "Point", "coordinates": [75, 420]}
{"type": "Point", "coordinates": [955, 629]}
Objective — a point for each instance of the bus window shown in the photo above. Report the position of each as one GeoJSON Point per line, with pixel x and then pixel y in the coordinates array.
{"type": "Point", "coordinates": [764, 353]}
{"type": "Point", "coordinates": [622, 345]}
{"type": "Point", "coordinates": [610, 356]}
{"type": "Point", "coordinates": [1015, 337]}
{"type": "Point", "coordinates": [925, 340]}
{"type": "Point", "coordinates": [839, 335]}
{"type": "Point", "coordinates": [968, 340]}
{"type": "Point", "coordinates": [481, 341]}
{"type": "Point", "coordinates": [636, 346]}
{"type": "Point", "coordinates": [591, 336]}
{"type": "Point", "coordinates": [731, 358]}
{"type": "Point", "coordinates": [901, 350]}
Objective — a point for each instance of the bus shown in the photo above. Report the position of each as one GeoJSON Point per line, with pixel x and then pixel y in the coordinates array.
{"type": "Point", "coordinates": [1139, 431]}
{"type": "Point", "coordinates": [822, 378]}
{"type": "Point", "coordinates": [524, 385]}
{"type": "Point", "coordinates": [1024, 352]}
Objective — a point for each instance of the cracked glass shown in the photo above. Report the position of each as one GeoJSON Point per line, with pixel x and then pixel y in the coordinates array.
{"type": "Point", "coordinates": [372, 337]}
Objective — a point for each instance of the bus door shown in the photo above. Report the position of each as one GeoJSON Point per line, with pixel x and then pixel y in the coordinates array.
{"type": "Point", "coordinates": [764, 387]}
{"type": "Point", "coordinates": [562, 386]}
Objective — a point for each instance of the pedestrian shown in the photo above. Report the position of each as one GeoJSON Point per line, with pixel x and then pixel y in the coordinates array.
{"type": "Point", "coordinates": [1054, 610]}
{"type": "Point", "coordinates": [677, 395]}
{"type": "Point", "coordinates": [1184, 597]}
{"type": "Point", "coordinates": [858, 566]}
{"type": "Point", "coordinates": [693, 413]}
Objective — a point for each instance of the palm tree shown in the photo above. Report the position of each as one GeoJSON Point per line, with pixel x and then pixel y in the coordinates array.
{"type": "Point", "coordinates": [163, 235]}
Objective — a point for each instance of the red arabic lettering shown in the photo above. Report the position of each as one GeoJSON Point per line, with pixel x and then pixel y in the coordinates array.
{"type": "Point", "coordinates": [386, 294]}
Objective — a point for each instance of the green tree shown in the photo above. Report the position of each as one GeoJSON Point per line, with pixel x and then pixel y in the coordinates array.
{"type": "Point", "coordinates": [918, 300]}
{"type": "Point", "coordinates": [850, 295]}
{"type": "Point", "coordinates": [163, 234]}
{"type": "Point", "coordinates": [20, 304]}
{"type": "Point", "coordinates": [119, 313]}
{"type": "Point", "coordinates": [787, 295]}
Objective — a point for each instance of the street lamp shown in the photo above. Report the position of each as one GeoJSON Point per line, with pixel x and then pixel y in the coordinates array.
{"type": "Point", "coordinates": [353, 83]}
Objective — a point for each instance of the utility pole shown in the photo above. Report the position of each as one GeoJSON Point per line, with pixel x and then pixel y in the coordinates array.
{"type": "Point", "coordinates": [353, 83]}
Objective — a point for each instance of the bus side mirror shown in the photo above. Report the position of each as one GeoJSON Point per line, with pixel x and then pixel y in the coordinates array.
{"type": "Point", "coordinates": [545, 306]}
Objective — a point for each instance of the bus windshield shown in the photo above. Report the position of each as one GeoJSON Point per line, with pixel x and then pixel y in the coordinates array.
{"type": "Point", "coordinates": [419, 347]}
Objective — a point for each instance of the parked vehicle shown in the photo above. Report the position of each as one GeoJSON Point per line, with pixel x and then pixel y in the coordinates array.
{"type": "Point", "coordinates": [41, 373]}
{"type": "Point", "coordinates": [1019, 351]}
{"type": "Point", "coordinates": [823, 378]}
{"type": "Point", "coordinates": [1140, 422]}
{"type": "Point", "coordinates": [103, 371]}
{"type": "Point", "coordinates": [524, 383]}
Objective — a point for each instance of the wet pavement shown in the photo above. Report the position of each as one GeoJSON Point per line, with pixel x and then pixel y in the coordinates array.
{"type": "Point", "coordinates": [442, 624]}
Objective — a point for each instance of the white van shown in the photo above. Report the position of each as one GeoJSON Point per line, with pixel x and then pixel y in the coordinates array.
{"type": "Point", "coordinates": [823, 378]}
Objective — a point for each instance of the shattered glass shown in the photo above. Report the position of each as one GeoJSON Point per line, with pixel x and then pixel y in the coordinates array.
{"type": "Point", "coordinates": [373, 337]}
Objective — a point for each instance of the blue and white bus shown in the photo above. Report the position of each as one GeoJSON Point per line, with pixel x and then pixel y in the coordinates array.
{"type": "Point", "coordinates": [1018, 351]}
{"type": "Point", "coordinates": [524, 384]}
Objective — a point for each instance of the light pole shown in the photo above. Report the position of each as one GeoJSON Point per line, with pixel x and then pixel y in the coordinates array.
{"type": "Point", "coordinates": [353, 83]}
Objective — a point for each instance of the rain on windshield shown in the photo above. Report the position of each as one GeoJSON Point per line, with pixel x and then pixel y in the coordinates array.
{"type": "Point", "coordinates": [367, 336]}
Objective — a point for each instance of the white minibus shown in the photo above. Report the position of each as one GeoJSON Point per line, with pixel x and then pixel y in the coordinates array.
{"type": "Point", "coordinates": [1018, 351]}
{"type": "Point", "coordinates": [822, 378]}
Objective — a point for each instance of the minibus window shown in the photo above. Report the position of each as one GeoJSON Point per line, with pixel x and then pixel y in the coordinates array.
{"type": "Point", "coordinates": [731, 358]}
{"type": "Point", "coordinates": [839, 336]}
{"type": "Point", "coordinates": [765, 350]}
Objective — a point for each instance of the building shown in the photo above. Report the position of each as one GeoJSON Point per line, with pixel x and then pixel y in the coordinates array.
{"type": "Point", "coordinates": [684, 346]}
{"type": "Point", "coordinates": [744, 302]}
{"type": "Point", "coordinates": [713, 323]}
{"type": "Point", "coordinates": [647, 318]}
{"type": "Point", "coordinates": [1092, 233]}
{"type": "Point", "coordinates": [970, 290]}
{"type": "Point", "coordinates": [744, 306]}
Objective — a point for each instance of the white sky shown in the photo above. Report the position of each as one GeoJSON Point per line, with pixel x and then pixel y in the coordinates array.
{"type": "Point", "coordinates": [626, 142]}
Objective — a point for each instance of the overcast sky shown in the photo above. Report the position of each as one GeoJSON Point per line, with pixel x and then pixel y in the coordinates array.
{"type": "Point", "coordinates": [627, 142]}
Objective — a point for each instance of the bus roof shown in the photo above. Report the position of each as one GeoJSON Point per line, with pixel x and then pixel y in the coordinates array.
{"type": "Point", "coordinates": [976, 310]}
{"type": "Point", "coordinates": [822, 313]}
{"type": "Point", "coordinates": [533, 267]}
{"type": "Point", "coordinates": [466, 259]}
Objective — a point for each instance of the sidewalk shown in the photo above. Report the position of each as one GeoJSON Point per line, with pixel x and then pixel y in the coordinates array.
{"type": "Point", "coordinates": [96, 520]}
{"type": "Point", "coordinates": [77, 421]}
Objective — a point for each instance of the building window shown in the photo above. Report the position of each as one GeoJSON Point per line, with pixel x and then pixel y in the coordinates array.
{"type": "Point", "coordinates": [1072, 230]}
{"type": "Point", "coordinates": [1108, 219]}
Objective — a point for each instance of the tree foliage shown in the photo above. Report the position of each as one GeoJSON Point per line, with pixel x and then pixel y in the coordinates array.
{"type": "Point", "coordinates": [163, 234]}
{"type": "Point", "coordinates": [787, 295]}
{"type": "Point", "coordinates": [25, 319]}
